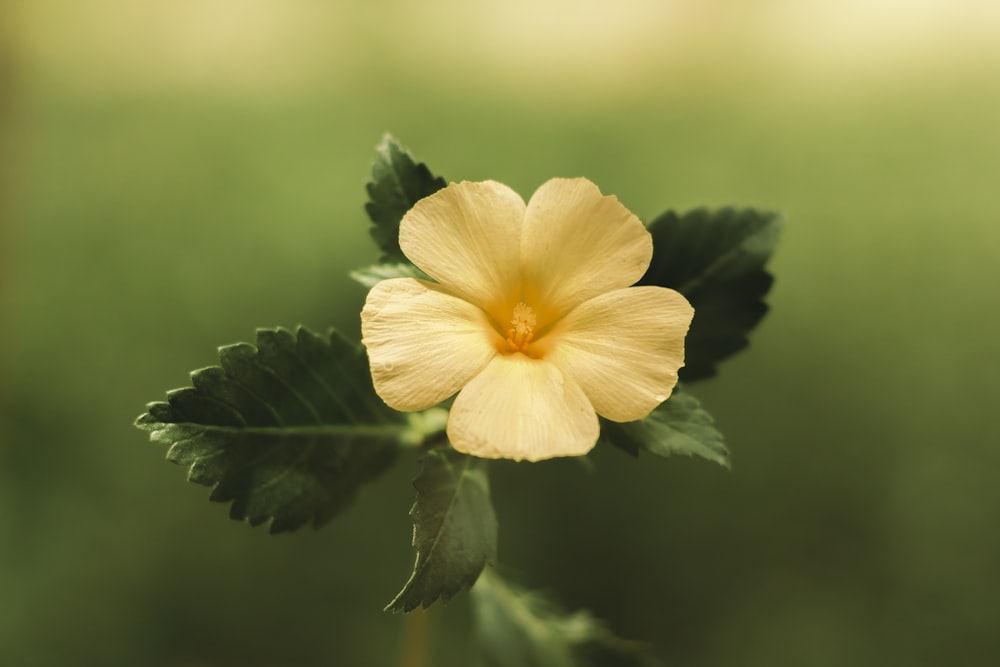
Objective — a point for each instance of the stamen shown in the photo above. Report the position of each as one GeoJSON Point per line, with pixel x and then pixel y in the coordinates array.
{"type": "Point", "coordinates": [522, 327]}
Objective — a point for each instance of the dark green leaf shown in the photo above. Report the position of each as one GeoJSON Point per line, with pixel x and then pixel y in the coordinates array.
{"type": "Point", "coordinates": [398, 182]}
{"type": "Point", "coordinates": [526, 629]}
{"type": "Point", "coordinates": [376, 273]}
{"type": "Point", "coordinates": [716, 259]}
{"type": "Point", "coordinates": [678, 426]}
{"type": "Point", "coordinates": [454, 528]}
{"type": "Point", "coordinates": [287, 430]}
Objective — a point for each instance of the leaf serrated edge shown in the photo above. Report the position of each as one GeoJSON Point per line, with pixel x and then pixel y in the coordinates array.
{"type": "Point", "coordinates": [392, 156]}
{"type": "Point", "coordinates": [157, 426]}
{"type": "Point", "coordinates": [614, 433]}
{"type": "Point", "coordinates": [766, 236]}
{"type": "Point", "coordinates": [420, 564]}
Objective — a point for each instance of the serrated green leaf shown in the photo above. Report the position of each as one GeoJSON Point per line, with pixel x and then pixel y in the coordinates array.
{"type": "Point", "coordinates": [287, 430]}
{"type": "Point", "coordinates": [376, 273]}
{"type": "Point", "coordinates": [679, 426]}
{"type": "Point", "coordinates": [716, 259]}
{"type": "Point", "coordinates": [454, 529]}
{"type": "Point", "coordinates": [527, 629]}
{"type": "Point", "coordinates": [398, 182]}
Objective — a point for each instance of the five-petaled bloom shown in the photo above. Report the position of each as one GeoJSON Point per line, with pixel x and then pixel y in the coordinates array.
{"type": "Point", "coordinates": [532, 319]}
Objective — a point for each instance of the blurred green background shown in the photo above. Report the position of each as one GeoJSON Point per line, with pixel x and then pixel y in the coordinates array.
{"type": "Point", "coordinates": [175, 174]}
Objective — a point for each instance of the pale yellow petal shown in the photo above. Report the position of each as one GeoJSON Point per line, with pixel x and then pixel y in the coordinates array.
{"type": "Point", "coordinates": [624, 348]}
{"type": "Point", "coordinates": [423, 344]}
{"type": "Point", "coordinates": [577, 244]}
{"type": "Point", "coordinates": [467, 237]}
{"type": "Point", "coordinates": [523, 409]}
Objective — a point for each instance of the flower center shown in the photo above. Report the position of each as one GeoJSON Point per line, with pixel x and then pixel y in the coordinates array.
{"type": "Point", "coordinates": [522, 327]}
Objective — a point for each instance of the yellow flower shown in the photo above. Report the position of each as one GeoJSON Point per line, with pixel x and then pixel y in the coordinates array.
{"type": "Point", "coordinates": [531, 320]}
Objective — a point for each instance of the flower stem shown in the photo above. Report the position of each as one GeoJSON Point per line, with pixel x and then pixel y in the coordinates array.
{"type": "Point", "coordinates": [416, 637]}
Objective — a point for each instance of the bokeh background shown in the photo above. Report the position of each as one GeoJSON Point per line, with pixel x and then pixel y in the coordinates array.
{"type": "Point", "coordinates": [175, 174]}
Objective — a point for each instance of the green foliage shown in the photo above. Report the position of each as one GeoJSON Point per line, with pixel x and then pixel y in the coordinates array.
{"type": "Point", "coordinates": [716, 259]}
{"type": "Point", "coordinates": [677, 426]}
{"type": "Point", "coordinates": [288, 430]}
{"type": "Point", "coordinates": [371, 275]}
{"type": "Point", "coordinates": [398, 182]}
{"type": "Point", "coordinates": [517, 627]}
{"type": "Point", "coordinates": [454, 528]}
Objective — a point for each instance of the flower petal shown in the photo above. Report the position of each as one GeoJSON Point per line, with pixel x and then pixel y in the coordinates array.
{"type": "Point", "coordinates": [624, 348]}
{"type": "Point", "coordinates": [467, 237]}
{"type": "Point", "coordinates": [423, 344]}
{"type": "Point", "coordinates": [577, 244]}
{"type": "Point", "coordinates": [520, 408]}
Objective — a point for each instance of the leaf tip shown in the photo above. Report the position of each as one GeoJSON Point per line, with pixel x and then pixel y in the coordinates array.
{"type": "Point", "coordinates": [145, 421]}
{"type": "Point", "coordinates": [387, 140]}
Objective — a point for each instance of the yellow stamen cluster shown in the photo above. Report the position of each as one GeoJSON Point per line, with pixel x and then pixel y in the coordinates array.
{"type": "Point", "coordinates": [522, 327]}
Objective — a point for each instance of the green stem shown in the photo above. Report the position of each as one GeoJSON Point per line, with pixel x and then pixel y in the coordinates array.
{"type": "Point", "coordinates": [416, 637]}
